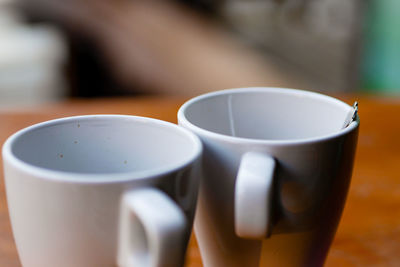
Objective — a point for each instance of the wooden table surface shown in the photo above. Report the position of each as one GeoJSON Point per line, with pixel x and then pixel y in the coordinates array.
{"type": "Point", "coordinates": [369, 232]}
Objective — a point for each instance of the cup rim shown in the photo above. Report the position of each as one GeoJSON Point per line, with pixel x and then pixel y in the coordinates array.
{"type": "Point", "coordinates": [90, 178]}
{"type": "Point", "coordinates": [183, 121]}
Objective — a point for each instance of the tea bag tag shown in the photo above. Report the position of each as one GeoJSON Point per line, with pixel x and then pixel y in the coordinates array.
{"type": "Point", "coordinates": [351, 116]}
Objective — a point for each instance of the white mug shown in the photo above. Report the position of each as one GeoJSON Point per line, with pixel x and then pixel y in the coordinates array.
{"type": "Point", "coordinates": [277, 165]}
{"type": "Point", "coordinates": [102, 190]}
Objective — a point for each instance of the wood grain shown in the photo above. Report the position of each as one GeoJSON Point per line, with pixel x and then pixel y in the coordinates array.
{"type": "Point", "coordinates": [369, 232]}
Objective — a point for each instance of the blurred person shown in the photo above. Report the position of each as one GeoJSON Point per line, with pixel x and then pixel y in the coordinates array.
{"type": "Point", "coordinates": [158, 46]}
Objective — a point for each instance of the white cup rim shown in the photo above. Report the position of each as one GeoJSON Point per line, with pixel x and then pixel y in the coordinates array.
{"type": "Point", "coordinates": [90, 178]}
{"type": "Point", "coordinates": [183, 121]}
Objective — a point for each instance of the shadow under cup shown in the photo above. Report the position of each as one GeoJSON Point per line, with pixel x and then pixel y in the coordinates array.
{"type": "Point", "coordinates": [104, 144]}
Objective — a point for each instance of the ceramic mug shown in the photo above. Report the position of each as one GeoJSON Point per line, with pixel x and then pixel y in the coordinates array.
{"type": "Point", "coordinates": [102, 190]}
{"type": "Point", "coordinates": [277, 165]}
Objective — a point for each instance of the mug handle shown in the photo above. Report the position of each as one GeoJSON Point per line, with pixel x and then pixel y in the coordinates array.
{"type": "Point", "coordinates": [151, 231]}
{"type": "Point", "coordinates": [253, 195]}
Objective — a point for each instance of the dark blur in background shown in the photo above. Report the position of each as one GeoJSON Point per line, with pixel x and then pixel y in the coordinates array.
{"type": "Point", "coordinates": [55, 49]}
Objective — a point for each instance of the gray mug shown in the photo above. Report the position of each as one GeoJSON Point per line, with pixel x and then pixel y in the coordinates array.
{"type": "Point", "coordinates": [277, 164]}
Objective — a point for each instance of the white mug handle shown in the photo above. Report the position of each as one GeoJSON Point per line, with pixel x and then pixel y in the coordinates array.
{"type": "Point", "coordinates": [152, 230]}
{"type": "Point", "coordinates": [253, 195]}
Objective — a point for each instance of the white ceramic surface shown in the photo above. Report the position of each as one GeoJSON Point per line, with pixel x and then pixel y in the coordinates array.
{"type": "Point", "coordinates": [100, 190]}
{"type": "Point", "coordinates": [277, 165]}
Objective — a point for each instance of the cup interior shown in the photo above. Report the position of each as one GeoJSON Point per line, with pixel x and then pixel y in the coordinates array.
{"type": "Point", "coordinates": [104, 144]}
{"type": "Point", "coordinates": [268, 114]}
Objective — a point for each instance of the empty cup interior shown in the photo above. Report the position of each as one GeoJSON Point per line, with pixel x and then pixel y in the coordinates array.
{"type": "Point", "coordinates": [274, 114]}
{"type": "Point", "coordinates": [104, 144]}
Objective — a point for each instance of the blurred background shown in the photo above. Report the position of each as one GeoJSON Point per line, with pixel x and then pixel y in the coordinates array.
{"type": "Point", "coordinates": [55, 49]}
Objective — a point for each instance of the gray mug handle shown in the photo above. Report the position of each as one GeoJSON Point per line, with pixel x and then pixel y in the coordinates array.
{"type": "Point", "coordinates": [253, 195]}
{"type": "Point", "coordinates": [151, 231]}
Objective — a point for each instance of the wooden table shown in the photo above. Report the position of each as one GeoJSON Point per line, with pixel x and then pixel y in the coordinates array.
{"type": "Point", "coordinates": [369, 232]}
